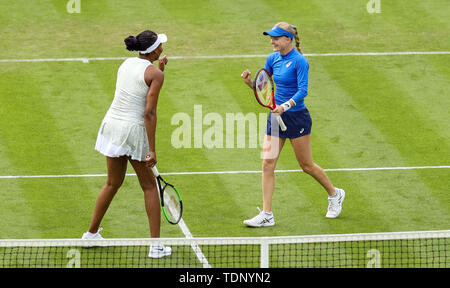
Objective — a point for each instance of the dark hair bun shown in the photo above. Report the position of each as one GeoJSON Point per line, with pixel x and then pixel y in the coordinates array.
{"type": "Point", "coordinates": [132, 43]}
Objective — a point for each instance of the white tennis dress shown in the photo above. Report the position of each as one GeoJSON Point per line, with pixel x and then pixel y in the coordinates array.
{"type": "Point", "coordinates": [122, 131]}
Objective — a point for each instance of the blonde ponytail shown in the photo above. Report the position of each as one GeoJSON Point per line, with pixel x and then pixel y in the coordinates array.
{"type": "Point", "coordinates": [297, 39]}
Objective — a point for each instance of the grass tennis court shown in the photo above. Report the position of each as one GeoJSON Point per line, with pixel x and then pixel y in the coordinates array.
{"type": "Point", "coordinates": [367, 111]}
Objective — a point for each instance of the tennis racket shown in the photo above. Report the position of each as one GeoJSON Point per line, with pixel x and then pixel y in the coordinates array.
{"type": "Point", "coordinates": [171, 203]}
{"type": "Point", "coordinates": [264, 93]}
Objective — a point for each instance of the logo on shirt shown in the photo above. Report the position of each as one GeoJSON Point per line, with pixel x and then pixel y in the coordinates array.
{"type": "Point", "coordinates": [288, 64]}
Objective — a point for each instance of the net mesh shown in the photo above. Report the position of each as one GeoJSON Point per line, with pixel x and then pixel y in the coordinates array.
{"type": "Point", "coordinates": [405, 249]}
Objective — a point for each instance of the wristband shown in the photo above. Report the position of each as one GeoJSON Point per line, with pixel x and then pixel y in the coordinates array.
{"type": "Point", "coordinates": [286, 106]}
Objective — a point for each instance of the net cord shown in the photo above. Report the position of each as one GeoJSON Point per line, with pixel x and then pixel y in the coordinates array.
{"type": "Point", "coordinates": [226, 240]}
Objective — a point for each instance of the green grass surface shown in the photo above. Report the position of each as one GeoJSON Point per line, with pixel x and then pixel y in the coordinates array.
{"type": "Point", "coordinates": [367, 111]}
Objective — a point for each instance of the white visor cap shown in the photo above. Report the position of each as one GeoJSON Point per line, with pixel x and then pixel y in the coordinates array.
{"type": "Point", "coordinates": [162, 38]}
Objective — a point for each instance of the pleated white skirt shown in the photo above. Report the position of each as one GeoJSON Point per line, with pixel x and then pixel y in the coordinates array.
{"type": "Point", "coordinates": [118, 138]}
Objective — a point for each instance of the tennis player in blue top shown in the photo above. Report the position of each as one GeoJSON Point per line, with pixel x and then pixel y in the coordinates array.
{"type": "Point", "coordinates": [289, 69]}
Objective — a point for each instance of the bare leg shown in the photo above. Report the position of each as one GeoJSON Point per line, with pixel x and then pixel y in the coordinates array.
{"type": "Point", "coordinates": [117, 168]}
{"type": "Point", "coordinates": [303, 153]}
{"type": "Point", "coordinates": [271, 152]}
{"type": "Point", "coordinates": [151, 198]}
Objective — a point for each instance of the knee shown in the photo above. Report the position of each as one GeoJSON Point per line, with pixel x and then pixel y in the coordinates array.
{"type": "Point", "coordinates": [268, 165]}
{"type": "Point", "coordinates": [307, 167]}
{"type": "Point", "coordinates": [114, 184]}
{"type": "Point", "coordinates": [149, 187]}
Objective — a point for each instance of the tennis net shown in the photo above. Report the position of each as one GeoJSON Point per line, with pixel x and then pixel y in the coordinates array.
{"type": "Point", "coordinates": [394, 249]}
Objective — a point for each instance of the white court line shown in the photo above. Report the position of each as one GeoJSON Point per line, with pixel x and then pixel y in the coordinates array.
{"type": "Point", "coordinates": [88, 59]}
{"type": "Point", "coordinates": [230, 172]}
{"type": "Point", "coordinates": [198, 252]}
{"type": "Point", "coordinates": [187, 233]}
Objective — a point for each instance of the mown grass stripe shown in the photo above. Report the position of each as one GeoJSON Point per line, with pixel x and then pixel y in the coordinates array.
{"type": "Point", "coordinates": [406, 147]}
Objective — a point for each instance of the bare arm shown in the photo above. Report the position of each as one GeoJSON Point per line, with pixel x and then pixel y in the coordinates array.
{"type": "Point", "coordinates": [156, 79]}
{"type": "Point", "coordinates": [247, 78]}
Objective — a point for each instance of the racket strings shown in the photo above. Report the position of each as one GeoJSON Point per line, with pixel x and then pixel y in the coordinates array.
{"type": "Point", "coordinates": [263, 89]}
{"type": "Point", "coordinates": [172, 203]}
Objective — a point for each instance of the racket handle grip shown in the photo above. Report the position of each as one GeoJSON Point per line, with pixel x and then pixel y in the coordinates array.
{"type": "Point", "coordinates": [282, 125]}
{"type": "Point", "coordinates": [155, 171]}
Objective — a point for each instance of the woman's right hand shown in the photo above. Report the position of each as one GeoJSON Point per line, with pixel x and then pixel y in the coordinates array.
{"type": "Point", "coordinates": [246, 77]}
{"type": "Point", "coordinates": [162, 63]}
{"type": "Point", "coordinates": [151, 159]}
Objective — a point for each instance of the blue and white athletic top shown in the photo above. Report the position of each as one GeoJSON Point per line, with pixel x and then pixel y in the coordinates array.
{"type": "Point", "coordinates": [290, 74]}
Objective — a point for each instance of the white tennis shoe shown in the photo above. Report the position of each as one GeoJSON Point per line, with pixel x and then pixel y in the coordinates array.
{"type": "Point", "coordinates": [335, 203]}
{"type": "Point", "coordinates": [159, 251]}
{"type": "Point", "coordinates": [92, 236]}
{"type": "Point", "coordinates": [263, 219]}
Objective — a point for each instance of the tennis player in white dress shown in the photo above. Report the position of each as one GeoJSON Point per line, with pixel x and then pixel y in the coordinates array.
{"type": "Point", "coordinates": [127, 132]}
